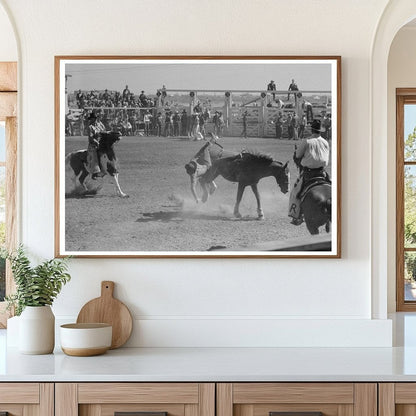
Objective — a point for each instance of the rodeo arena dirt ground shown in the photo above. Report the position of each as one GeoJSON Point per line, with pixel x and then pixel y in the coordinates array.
{"type": "Point", "coordinates": [160, 213]}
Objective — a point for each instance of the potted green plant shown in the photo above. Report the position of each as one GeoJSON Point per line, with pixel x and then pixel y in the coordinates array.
{"type": "Point", "coordinates": [36, 289]}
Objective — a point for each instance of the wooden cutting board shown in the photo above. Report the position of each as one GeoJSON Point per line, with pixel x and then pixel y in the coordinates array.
{"type": "Point", "coordinates": [107, 309]}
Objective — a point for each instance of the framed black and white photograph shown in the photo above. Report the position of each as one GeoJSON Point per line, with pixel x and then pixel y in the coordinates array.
{"type": "Point", "coordinates": [198, 156]}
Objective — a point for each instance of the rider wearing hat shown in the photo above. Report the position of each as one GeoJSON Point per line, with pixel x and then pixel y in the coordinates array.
{"type": "Point", "coordinates": [94, 130]}
{"type": "Point", "coordinates": [271, 86]}
{"type": "Point", "coordinates": [311, 156]}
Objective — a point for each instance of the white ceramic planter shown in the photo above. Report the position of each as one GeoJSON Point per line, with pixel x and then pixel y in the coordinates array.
{"type": "Point", "coordinates": [37, 330]}
{"type": "Point", "coordinates": [13, 332]}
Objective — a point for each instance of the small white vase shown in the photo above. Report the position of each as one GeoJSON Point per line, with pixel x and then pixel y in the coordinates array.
{"type": "Point", "coordinates": [37, 330]}
{"type": "Point", "coordinates": [12, 334]}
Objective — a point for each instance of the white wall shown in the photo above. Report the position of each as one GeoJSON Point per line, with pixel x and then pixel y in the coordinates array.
{"type": "Point", "coordinates": [197, 302]}
{"type": "Point", "coordinates": [8, 46]}
{"type": "Point", "coordinates": [401, 74]}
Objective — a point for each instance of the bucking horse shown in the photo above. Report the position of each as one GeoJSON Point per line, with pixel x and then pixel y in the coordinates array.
{"type": "Point", "coordinates": [246, 168]}
{"type": "Point", "coordinates": [76, 166]}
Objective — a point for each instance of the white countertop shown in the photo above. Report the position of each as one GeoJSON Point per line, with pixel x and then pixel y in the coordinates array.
{"type": "Point", "coordinates": [215, 364]}
{"type": "Point", "coordinates": [222, 364]}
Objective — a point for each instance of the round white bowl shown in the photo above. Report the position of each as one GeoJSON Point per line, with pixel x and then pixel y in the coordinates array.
{"type": "Point", "coordinates": [83, 340]}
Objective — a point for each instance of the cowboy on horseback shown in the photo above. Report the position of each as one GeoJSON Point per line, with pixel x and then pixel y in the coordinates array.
{"type": "Point", "coordinates": [311, 157]}
{"type": "Point", "coordinates": [94, 130]}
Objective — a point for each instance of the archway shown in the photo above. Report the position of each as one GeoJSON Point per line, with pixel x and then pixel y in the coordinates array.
{"type": "Point", "coordinates": [395, 16]}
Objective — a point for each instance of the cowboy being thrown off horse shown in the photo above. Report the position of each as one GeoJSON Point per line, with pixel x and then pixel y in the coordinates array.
{"type": "Point", "coordinates": [245, 168]}
{"type": "Point", "coordinates": [199, 165]}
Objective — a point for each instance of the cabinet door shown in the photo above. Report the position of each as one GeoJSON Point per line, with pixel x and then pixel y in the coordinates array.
{"type": "Point", "coordinates": [141, 399]}
{"type": "Point", "coordinates": [26, 399]}
{"type": "Point", "coordinates": [297, 399]}
{"type": "Point", "coordinates": [397, 399]}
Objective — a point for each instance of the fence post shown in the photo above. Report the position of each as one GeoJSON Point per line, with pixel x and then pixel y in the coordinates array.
{"type": "Point", "coordinates": [262, 115]}
{"type": "Point", "coordinates": [227, 113]}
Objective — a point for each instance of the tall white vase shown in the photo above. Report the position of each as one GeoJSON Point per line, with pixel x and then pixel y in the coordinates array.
{"type": "Point", "coordinates": [37, 330]}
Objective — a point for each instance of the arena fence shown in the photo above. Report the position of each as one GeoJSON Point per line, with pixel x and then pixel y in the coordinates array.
{"type": "Point", "coordinates": [261, 110]}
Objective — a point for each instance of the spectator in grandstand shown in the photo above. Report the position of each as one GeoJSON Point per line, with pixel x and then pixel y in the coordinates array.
{"type": "Point", "coordinates": [159, 121]}
{"type": "Point", "coordinates": [143, 99]}
{"type": "Point", "coordinates": [176, 123]}
{"type": "Point", "coordinates": [244, 133]}
{"type": "Point", "coordinates": [295, 122]}
{"type": "Point", "coordinates": [131, 101]}
{"type": "Point", "coordinates": [302, 125]}
{"type": "Point", "coordinates": [127, 128]}
{"type": "Point", "coordinates": [278, 121]}
{"type": "Point", "coordinates": [126, 93]}
{"type": "Point", "coordinates": [134, 121]}
{"type": "Point", "coordinates": [105, 95]}
{"type": "Point", "coordinates": [271, 86]}
{"type": "Point", "coordinates": [292, 87]}
{"type": "Point", "coordinates": [115, 124]}
{"type": "Point", "coordinates": [290, 126]}
{"type": "Point", "coordinates": [93, 137]}
{"type": "Point", "coordinates": [80, 97]}
{"type": "Point", "coordinates": [221, 123]}
{"type": "Point", "coordinates": [147, 119]}
{"type": "Point", "coordinates": [194, 126]}
{"type": "Point", "coordinates": [69, 131]}
{"type": "Point", "coordinates": [163, 96]}
{"type": "Point", "coordinates": [198, 108]}
{"type": "Point", "coordinates": [201, 121]}
{"type": "Point", "coordinates": [215, 121]}
{"type": "Point", "coordinates": [184, 123]}
{"type": "Point", "coordinates": [307, 106]}
{"type": "Point", "coordinates": [168, 123]}
{"type": "Point", "coordinates": [207, 114]}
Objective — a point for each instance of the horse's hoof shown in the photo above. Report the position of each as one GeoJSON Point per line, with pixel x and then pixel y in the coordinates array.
{"type": "Point", "coordinates": [237, 215]}
{"type": "Point", "coordinates": [260, 217]}
{"type": "Point", "coordinates": [212, 188]}
{"type": "Point", "coordinates": [124, 196]}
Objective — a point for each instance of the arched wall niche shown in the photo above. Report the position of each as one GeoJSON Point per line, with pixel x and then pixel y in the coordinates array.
{"type": "Point", "coordinates": [396, 15]}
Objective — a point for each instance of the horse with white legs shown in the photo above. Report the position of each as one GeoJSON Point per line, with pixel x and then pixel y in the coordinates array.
{"type": "Point", "coordinates": [76, 167]}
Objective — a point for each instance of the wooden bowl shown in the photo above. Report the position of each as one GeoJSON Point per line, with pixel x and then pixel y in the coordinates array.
{"type": "Point", "coordinates": [84, 340]}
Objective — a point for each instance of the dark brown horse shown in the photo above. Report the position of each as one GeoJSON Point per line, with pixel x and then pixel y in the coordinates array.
{"type": "Point", "coordinates": [246, 169]}
{"type": "Point", "coordinates": [316, 207]}
{"type": "Point", "coordinates": [77, 176]}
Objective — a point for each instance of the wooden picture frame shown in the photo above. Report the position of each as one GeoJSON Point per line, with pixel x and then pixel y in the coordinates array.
{"type": "Point", "coordinates": [167, 109]}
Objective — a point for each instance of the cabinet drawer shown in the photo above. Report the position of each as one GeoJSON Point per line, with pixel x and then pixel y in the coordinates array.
{"type": "Point", "coordinates": [296, 399]}
{"type": "Point", "coordinates": [397, 399]}
{"type": "Point", "coordinates": [146, 399]}
{"type": "Point", "coordinates": [21, 399]}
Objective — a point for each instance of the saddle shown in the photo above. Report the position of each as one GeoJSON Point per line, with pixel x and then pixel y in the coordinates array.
{"type": "Point", "coordinates": [312, 178]}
